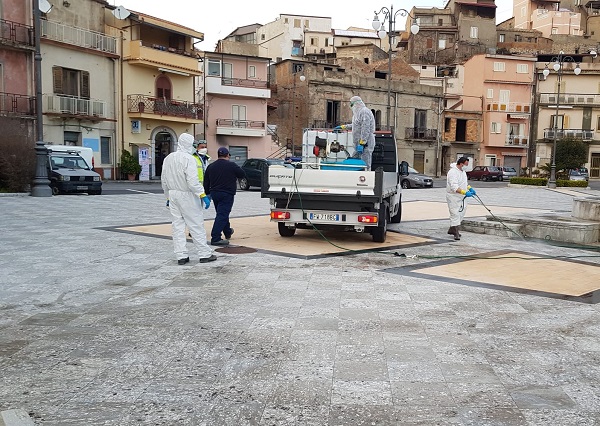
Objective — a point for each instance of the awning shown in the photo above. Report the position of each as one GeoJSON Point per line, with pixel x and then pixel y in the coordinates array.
{"type": "Point", "coordinates": [519, 116]}
{"type": "Point", "coordinates": [468, 3]}
{"type": "Point", "coordinates": [514, 154]}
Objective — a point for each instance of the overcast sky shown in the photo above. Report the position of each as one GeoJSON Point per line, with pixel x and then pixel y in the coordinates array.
{"type": "Point", "coordinates": [217, 19]}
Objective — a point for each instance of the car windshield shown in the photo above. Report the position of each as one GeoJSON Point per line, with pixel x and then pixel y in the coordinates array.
{"type": "Point", "coordinates": [68, 162]}
{"type": "Point", "coordinates": [509, 169]}
{"type": "Point", "coordinates": [575, 173]}
{"type": "Point", "coordinates": [411, 170]}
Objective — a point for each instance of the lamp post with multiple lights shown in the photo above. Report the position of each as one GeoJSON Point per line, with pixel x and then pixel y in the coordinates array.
{"type": "Point", "coordinates": [558, 67]}
{"type": "Point", "coordinates": [390, 16]}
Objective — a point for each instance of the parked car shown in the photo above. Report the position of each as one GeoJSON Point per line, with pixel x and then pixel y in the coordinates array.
{"type": "Point", "coordinates": [584, 172]}
{"type": "Point", "coordinates": [485, 173]}
{"type": "Point", "coordinates": [576, 175]}
{"type": "Point", "coordinates": [508, 172]}
{"type": "Point", "coordinates": [253, 167]}
{"type": "Point", "coordinates": [416, 180]}
{"type": "Point", "coordinates": [69, 172]}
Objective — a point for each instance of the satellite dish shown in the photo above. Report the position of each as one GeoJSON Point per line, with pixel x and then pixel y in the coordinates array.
{"type": "Point", "coordinates": [45, 6]}
{"type": "Point", "coordinates": [120, 12]}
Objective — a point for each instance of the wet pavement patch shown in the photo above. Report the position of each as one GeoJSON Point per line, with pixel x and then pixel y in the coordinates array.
{"type": "Point", "coordinates": [257, 233]}
{"type": "Point", "coordinates": [515, 271]}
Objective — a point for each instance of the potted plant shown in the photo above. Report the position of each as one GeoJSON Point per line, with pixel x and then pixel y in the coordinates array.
{"type": "Point", "coordinates": [130, 165]}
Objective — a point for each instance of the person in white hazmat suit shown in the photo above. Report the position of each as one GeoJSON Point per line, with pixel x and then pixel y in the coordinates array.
{"type": "Point", "coordinates": [363, 130]}
{"type": "Point", "coordinates": [457, 188]}
{"type": "Point", "coordinates": [185, 199]}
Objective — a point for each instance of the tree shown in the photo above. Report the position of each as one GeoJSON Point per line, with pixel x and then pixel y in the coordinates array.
{"type": "Point", "coordinates": [570, 153]}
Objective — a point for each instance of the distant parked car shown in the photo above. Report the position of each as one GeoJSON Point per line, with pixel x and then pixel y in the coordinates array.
{"type": "Point", "coordinates": [416, 180]}
{"type": "Point", "coordinates": [485, 173]}
{"type": "Point", "coordinates": [253, 167]}
{"type": "Point", "coordinates": [584, 172]}
{"type": "Point", "coordinates": [575, 175]}
{"type": "Point", "coordinates": [508, 172]}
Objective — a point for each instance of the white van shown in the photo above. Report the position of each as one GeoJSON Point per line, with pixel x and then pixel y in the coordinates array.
{"type": "Point", "coordinates": [85, 152]}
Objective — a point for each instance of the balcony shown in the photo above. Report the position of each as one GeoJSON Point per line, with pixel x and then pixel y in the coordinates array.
{"type": "Point", "coordinates": [78, 37]}
{"type": "Point", "coordinates": [20, 105]}
{"type": "Point", "coordinates": [570, 99]}
{"type": "Point", "coordinates": [75, 107]}
{"type": "Point", "coordinates": [417, 133]}
{"type": "Point", "coordinates": [517, 140]}
{"type": "Point", "coordinates": [226, 126]}
{"type": "Point", "coordinates": [583, 134]}
{"type": "Point", "coordinates": [16, 34]}
{"type": "Point", "coordinates": [157, 56]}
{"type": "Point", "coordinates": [167, 109]}
{"type": "Point", "coordinates": [238, 87]}
{"type": "Point", "coordinates": [520, 107]}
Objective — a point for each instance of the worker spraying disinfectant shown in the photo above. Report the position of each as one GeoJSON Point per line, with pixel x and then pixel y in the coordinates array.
{"type": "Point", "coordinates": [363, 130]}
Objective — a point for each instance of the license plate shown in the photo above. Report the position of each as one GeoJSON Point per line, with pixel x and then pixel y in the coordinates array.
{"type": "Point", "coordinates": [82, 188]}
{"type": "Point", "coordinates": [324, 216]}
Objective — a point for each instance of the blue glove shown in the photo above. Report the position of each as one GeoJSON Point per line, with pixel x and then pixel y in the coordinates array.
{"type": "Point", "coordinates": [206, 201]}
{"type": "Point", "coordinates": [360, 149]}
{"type": "Point", "coordinates": [472, 191]}
{"type": "Point", "coordinates": [167, 205]}
{"type": "Point", "coordinates": [209, 197]}
{"type": "Point", "coordinates": [469, 193]}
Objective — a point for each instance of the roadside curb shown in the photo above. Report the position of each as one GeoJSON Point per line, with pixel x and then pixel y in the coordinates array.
{"type": "Point", "coordinates": [15, 418]}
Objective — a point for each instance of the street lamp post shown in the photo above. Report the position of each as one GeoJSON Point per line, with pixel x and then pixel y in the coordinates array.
{"type": "Point", "coordinates": [558, 67]}
{"type": "Point", "coordinates": [302, 78]}
{"type": "Point", "coordinates": [41, 184]}
{"type": "Point", "coordinates": [390, 16]}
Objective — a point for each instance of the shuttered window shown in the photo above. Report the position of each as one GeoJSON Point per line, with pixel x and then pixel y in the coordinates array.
{"type": "Point", "coordinates": [71, 82]}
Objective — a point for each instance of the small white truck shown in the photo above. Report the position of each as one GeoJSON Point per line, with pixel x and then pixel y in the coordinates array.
{"type": "Point", "coordinates": [330, 189]}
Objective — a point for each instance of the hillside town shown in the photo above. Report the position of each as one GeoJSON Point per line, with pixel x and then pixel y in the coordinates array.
{"type": "Point", "coordinates": [453, 82]}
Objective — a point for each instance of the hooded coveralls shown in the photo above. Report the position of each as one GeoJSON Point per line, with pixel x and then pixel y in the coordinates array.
{"type": "Point", "coordinates": [181, 187]}
{"type": "Point", "coordinates": [363, 128]}
{"type": "Point", "coordinates": [456, 179]}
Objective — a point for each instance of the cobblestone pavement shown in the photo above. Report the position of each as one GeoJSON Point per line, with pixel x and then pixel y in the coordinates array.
{"type": "Point", "coordinates": [104, 328]}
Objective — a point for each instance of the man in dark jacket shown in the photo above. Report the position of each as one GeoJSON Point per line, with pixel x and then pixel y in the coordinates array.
{"type": "Point", "coordinates": [220, 182]}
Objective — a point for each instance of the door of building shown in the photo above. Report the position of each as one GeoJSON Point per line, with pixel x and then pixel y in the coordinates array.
{"type": "Point", "coordinates": [419, 161]}
{"type": "Point", "coordinates": [595, 166]}
{"type": "Point", "coordinates": [162, 148]}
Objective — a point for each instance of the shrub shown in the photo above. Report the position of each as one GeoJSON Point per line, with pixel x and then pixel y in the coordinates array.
{"type": "Point", "coordinates": [18, 159]}
{"type": "Point", "coordinates": [572, 183]}
{"type": "Point", "coordinates": [529, 181]}
{"type": "Point", "coordinates": [129, 164]}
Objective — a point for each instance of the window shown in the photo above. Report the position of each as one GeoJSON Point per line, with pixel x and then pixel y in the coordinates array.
{"type": "Point", "coordinates": [429, 43]}
{"type": "Point", "coordinates": [554, 30]}
{"type": "Point", "coordinates": [504, 96]}
{"type": "Point", "coordinates": [285, 20]}
{"type": "Point", "coordinates": [262, 36]}
{"type": "Point", "coordinates": [496, 127]}
{"type": "Point", "coordinates": [559, 123]}
{"type": "Point", "coordinates": [227, 70]}
{"type": "Point", "coordinates": [501, 38]}
{"type": "Point", "coordinates": [441, 44]}
{"type": "Point", "coordinates": [522, 68]}
{"type": "Point", "coordinates": [296, 23]}
{"type": "Point", "coordinates": [523, 12]}
{"type": "Point", "coordinates": [71, 82]}
{"type": "Point", "coordinates": [163, 87]}
{"type": "Point", "coordinates": [326, 41]}
{"type": "Point", "coordinates": [499, 66]}
{"type": "Point", "coordinates": [252, 71]}
{"type": "Point", "coordinates": [306, 23]}
{"type": "Point", "coordinates": [314, 41]}
{"type": "Point", "coordinates": [598, 123]}
{"type": "Point", "coordinates": [214, 67]}
{"type": "Point", "coordinates": [490, 94]}
{"type": "Point", "coordinates": [490, 160]}
{"type": "Point", "coordinates": [474, 32]}
{"type": "Point", "coordinates": [105, 150]}
{"type": "Point", "coordinates": [238, 112]}
{"type": "Point", "coordinates": [447, 124]}
{"type": "Point", "coordinates": [518, 38]}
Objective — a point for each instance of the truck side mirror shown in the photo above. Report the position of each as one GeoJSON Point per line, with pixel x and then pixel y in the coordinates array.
{"type": "Point", "coordinates": [403, 168]}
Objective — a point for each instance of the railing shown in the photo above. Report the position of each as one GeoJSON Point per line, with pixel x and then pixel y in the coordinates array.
{"type": "Point", "coordinates": [418, 133]}
{"type": "Point", "coordinates": [11, 103]}
{"type": "Point", "coordinates": [161, 106]}
{"type": "Point", "coordinates": [570, 99]}
{"type": "Point", "coordinates": [584, 134]}
{"type": "Point", "coordinates": [240, 82]}
{"type": "Point", "coordinates": [509, 107]}
{"type": "Point", "coordinates": [73, 105]}
{"type": "Point", "coordinates": [242, 124]}
{"type": "Point", "coordinates": [16, 32]}
{"type": "Point", "coordinates": [517, 140]}
{"type": "Point", "coordinates": [78, 37]}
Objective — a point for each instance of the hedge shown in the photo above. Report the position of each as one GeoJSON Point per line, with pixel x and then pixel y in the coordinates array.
{"type": "Point", "coordinates": [544, 182]}
{"type": "Point", "coordinates": [572, 183]}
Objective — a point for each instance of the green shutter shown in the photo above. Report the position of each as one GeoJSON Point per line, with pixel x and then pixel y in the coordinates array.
{"type": "Point", "coordinates": [57, 78]}
{"type": "Point", "coordinates": [85, 85]}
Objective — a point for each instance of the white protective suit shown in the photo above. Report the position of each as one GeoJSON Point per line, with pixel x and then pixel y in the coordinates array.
{"type": "Point", "coordinates": [363, 128]}
{"type": "Point", "coordinates": [456, 179]}
{"type": "Point", "coordinates": [181, 187]}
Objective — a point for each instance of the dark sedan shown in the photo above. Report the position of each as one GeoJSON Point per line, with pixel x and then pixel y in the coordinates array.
{"type": "Point", "coordinates": [253, 167]}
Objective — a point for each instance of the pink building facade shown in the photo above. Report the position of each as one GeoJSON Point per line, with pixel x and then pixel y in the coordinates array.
{"type": "Point", "coordinates": [503, 85]}
{"type": "Point", "coordinates": [236, 90]}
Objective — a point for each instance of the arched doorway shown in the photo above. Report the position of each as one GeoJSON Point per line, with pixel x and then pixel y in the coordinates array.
{"type": "Point", "coordinates": [162, 147]}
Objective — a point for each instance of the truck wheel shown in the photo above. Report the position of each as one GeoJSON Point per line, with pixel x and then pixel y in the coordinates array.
{"type": "Point", "coordinates": [398, 216]}
{"type": "Point", "coordinates": [285, 231]}
{"type": "Point", "coordinates": [379, 234]}
{"type": "Point", "coordinates": [244, 184]}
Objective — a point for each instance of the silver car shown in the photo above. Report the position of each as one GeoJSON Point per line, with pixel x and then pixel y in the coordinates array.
{"type": "Point", "coordinates": [416, 180]}
{"type": "Point", "coordinates": [508, 172]}
{"type": "Point", "coordinates": [575, 175]}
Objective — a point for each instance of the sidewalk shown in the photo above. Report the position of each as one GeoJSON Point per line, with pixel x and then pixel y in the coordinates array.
{"type": "Point", "coordinates": [100, 327]}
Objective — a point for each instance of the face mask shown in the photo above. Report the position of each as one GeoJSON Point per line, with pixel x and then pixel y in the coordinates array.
{"type": "Point", "coordinates": [203, 151]}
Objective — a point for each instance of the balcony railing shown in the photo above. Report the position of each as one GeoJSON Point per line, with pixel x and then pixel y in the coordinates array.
{"type": "Point", "coordinates": [78, 37]}
{"type": "Point", "coordinates": [162, 106]}
{"type": "Point", "coordinates": [570, 99]}
{"type": "Point", "coordinates": [16, 33]}
{"type": "Point", "coordinates": [583, 134]}
{"type": "Point", "coordinates": [517, 140]}
{"type": "Point", "coordinates": [242, 124]}
{"type": "Point", "coordinates": [417, 133]}
{"type": "Point", "coordinates": [75, 106]}
{"type": "Point", "coordinates": [11, 103]}
{"type": "Point", "coordinates": [520, 107]}
{"type": "Point", "coordinates": [240, 82]}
